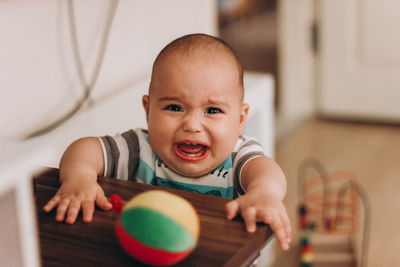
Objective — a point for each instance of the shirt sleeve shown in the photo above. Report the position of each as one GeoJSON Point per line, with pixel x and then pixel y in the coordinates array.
{"type": "Point", "coordinates": [246, 149]}
{"type": "Point", "coordinates": [121, 155]}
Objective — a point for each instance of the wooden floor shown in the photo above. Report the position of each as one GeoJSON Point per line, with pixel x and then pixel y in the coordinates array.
{"type": "Point", "coordinates": [373, 153]}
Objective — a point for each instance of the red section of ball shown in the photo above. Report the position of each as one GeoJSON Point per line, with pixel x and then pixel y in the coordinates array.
{"type": "Point", "coordinates": [116, 202]}
{"type": "Point", "coordinates": [145, 253]}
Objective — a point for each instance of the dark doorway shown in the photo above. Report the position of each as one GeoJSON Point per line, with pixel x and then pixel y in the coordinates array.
{"type": "Point", "coordinates": [250, 27]}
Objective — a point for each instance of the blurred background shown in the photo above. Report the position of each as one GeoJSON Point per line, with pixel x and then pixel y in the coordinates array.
{"type": "Point", "coordinates": [335, 66]}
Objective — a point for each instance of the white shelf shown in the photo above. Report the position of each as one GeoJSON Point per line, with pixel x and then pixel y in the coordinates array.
{"type": "Point", "coordinates": [18, 230]}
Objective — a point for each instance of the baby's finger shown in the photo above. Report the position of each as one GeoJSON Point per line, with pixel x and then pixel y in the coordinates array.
{"type": "Point", "coordinates": [51, 204]}
{"type": "Point", "coordinates": [62, 208]}
{"type": "Point", "coordinates": [249, 216]}
{"type": "Point", "coordinates": [103, 202]}
{"type": "Point", "coordinates": [263, 217]}
{"type": "Point", "coordinates": [73, 210]}
{"type": "Point", "coordinates": [286, 226]}
{"type": "Point", "coordinates": [87, 210]}
{"type": "Point", "coordinates": [279, 231]}
{"type": "Point", "coordinates": [232, 209]}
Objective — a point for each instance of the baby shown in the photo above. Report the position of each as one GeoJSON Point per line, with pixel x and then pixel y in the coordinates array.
{"type": "Point", "coordinates": [195, 116]}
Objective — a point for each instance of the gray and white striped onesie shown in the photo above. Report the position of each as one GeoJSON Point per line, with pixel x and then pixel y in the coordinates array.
{"type": "Point", "coordinates": [129, 156]}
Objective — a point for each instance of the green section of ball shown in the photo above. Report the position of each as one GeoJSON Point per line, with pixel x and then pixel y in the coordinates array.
{"type": "Point", "coordinates": [156, 230]}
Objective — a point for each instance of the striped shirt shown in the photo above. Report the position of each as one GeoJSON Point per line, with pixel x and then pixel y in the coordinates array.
{"type": "Point", "coordinates": [129, 156]}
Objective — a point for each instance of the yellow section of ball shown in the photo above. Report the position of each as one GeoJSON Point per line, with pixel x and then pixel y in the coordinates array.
{"type": "Point", "coordinates": [170, 205]}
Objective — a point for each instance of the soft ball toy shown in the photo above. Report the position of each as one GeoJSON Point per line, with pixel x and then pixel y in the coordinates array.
{"type": "Point", "coordinates": [157, 227]}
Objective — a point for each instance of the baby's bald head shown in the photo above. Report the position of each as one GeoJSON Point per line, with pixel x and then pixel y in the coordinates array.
{"type": "Point", "coordinates": [193, 47]}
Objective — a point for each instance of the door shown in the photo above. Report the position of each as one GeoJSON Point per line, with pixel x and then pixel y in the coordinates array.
{"type": "Point", "coordinates": [358, 59]}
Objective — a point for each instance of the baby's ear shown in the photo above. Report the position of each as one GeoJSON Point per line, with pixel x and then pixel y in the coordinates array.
{"type": "Point", "coordinates": [145, 102]}
{"type": "Point", "coordinates": [244, 110]}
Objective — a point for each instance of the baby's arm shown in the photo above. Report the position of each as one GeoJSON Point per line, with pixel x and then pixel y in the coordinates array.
{"type": "Point", "coordinates": [265, 186]}
{"type": "Point", "coordinates": [80, 166]}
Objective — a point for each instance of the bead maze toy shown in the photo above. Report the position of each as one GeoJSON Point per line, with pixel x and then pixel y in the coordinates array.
{"type": "Point", "coordinates": [328, 217]}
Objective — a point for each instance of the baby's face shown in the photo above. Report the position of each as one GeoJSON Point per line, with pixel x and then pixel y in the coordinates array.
{"type": "Point", "coordinates": [195, 114]}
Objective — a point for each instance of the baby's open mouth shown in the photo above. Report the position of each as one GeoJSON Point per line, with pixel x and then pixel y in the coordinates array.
{"type": "Point", "coordinates": [191, 151]}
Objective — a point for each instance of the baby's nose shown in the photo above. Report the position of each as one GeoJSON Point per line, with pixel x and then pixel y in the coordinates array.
{"type": "Point", "coordinates": [192, 122]}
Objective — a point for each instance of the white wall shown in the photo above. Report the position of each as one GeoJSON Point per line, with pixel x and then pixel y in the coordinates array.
{"type": "Point", "coordinates": [38, 76]}
{"type": "Point", "coordinates": [296, 63]}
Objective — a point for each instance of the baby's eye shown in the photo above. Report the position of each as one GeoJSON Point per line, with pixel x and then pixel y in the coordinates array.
{"type": "Point", "coordinates": [175, 108]}
{"type": "Point", "coordinates": [213, 110]}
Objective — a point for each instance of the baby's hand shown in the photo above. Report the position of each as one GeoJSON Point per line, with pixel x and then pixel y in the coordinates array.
{"type": "Point", "coordinates": [74, 195]}
{"type": "Point", "coordinates": [254, 207]}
